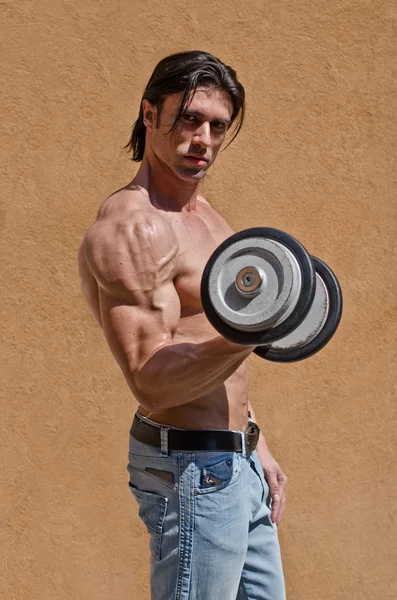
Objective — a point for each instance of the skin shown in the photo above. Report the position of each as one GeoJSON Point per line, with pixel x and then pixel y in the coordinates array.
{"type": "Point", "coordinates": [140, 267]}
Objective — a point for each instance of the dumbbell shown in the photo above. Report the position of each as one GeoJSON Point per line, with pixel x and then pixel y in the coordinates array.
{"type": "Point", "coordinates": [262, 288]}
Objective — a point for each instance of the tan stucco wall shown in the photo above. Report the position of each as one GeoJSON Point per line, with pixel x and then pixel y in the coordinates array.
{"type": "Point", "coordinates": [316, 158]}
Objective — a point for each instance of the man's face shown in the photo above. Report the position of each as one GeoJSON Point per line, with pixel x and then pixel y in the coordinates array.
{"type": "Point", "coordinates": [192, 147]}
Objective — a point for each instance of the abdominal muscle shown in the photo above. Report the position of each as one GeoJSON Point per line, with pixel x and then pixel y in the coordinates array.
{"type": "Point", "coordinates": [225, 408]}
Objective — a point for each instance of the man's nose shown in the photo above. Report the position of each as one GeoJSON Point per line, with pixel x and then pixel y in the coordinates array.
{"type": "Point", "coordinates": [202, 135]}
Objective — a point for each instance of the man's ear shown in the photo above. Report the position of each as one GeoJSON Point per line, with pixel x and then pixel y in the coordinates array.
{"type": "Point", "coordinates": [149, 114]}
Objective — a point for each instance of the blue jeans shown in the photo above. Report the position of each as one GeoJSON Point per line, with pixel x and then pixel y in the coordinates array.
{"type": "Point", "coordinates": [208, 516]}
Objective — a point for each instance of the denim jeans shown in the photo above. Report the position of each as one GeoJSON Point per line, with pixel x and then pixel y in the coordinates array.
{"type": "Point", "coordinates": [208, 516]}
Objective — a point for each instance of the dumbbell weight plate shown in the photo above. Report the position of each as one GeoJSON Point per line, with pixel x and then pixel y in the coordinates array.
{"type": "Point", "coordinates": [257, 286]}
{"type": "Point", "coordinates": [317, 328]}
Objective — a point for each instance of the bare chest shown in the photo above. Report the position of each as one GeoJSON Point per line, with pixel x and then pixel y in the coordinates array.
{"type": "Point", "coordinates": [197, 240]}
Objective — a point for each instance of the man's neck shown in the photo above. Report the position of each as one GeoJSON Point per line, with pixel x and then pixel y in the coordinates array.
{"type": "Point", "coordinates": [165, 190]}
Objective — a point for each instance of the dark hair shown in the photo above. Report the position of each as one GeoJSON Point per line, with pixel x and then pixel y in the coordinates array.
{"type": "Point", "coordinates": [183, 72]}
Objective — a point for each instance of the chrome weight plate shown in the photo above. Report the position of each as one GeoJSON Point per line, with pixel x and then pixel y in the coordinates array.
{"type": "Point", "coordinates": [257, 285]}
{"type": "Point", "coordinates": [319, 325]}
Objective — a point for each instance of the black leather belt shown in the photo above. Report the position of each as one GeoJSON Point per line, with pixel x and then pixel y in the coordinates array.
{"type": "Point", "coordinates": [196, 440]}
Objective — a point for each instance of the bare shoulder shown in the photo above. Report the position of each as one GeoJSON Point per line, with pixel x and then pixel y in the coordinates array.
{"type": "Point", "coordinates": [210, 214]}
{"type": "Point", "coordinates": [130, 240]}
{"type": "Point", "coordinates": [203, 201]}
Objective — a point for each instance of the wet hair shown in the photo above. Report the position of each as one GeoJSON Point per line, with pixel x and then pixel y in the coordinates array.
{"type": "Point", "coordinates": [184, 72]}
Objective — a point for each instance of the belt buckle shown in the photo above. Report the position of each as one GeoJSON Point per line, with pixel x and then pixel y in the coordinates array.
{"type": "Point", "coordinates": [251, 437]}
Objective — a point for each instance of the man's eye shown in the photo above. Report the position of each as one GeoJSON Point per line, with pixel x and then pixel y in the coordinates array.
{"type": "Point", "coordinates": [189, 118]}
{"type": "Point", "coordinates": [219, 126]}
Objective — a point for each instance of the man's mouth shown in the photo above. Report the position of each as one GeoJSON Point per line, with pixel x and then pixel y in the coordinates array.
{"type": "Point", "coordinates": [197, 160]}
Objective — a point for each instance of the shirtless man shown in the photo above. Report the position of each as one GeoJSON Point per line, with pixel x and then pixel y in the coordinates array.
{"type": "Point", "coordinates": [211, 501]}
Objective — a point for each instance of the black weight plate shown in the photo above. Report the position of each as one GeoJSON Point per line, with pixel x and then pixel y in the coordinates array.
{"type": "Point", "coordinates": [258, 338]}
{"type": "Point", "coordinates": [335, 301]}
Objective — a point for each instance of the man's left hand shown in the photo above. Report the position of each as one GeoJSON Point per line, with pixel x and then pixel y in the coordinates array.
{"type": "Point", "coordinates": [277, 481]}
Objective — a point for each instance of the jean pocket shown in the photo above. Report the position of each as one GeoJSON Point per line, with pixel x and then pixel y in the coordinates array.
{"type": "Point", "coordinates": [218, 472]}
{"type": "Point", "coordinates": [160, 469]}
{"type": "Point", "coordinates": [152, 511]}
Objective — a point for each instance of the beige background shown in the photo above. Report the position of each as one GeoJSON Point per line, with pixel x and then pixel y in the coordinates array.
{"type": "Point", "coordinates": [316, 158]}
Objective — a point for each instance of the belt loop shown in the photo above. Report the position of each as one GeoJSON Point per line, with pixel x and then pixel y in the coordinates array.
{"type": "Point", "coordinates": [164, 440]}
{"type": "Point", "coordinates": [243, 444]}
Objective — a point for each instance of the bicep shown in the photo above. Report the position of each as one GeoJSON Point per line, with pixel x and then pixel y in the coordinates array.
{"type": "Point", "coordinates": [134, 265]}
{"type": "Point", "coordinates": [135, 330]}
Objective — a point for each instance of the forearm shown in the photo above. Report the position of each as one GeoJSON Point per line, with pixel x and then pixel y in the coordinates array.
{"type": "Point", "coordinates": [180, 373]}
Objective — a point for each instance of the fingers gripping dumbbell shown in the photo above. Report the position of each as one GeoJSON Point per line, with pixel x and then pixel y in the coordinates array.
{"type": "Point", "coordinates": [261, 288]}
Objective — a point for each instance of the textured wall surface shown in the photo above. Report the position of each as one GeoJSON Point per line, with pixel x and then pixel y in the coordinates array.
{"type": "Point", "coordinates": [316, 158]}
